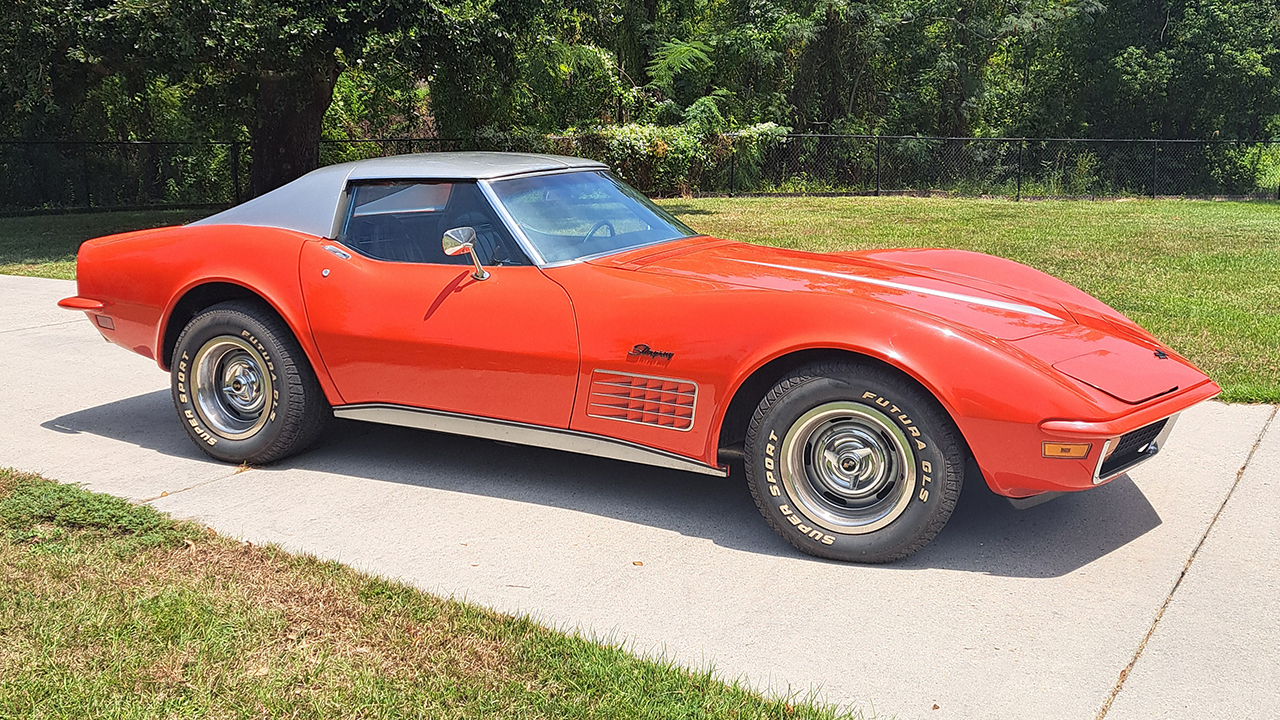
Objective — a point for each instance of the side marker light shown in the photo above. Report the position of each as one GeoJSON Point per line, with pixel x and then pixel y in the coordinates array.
{"type": "Point", "coordinates": [1066, 450]}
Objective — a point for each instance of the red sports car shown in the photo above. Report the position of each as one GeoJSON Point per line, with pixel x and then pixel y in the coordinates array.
{"type": "Point", "coordinates": [540, 300]}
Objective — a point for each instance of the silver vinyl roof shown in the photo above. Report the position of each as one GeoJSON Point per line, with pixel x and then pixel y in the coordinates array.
{"type": "Point", "coordinates": [308, 204]}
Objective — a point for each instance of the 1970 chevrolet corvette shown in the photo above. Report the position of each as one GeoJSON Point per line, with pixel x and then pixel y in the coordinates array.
{"type": "Point", "coordinates": [539, 300]}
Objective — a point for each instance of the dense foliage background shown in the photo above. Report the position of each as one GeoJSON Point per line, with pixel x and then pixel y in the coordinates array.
{"type": "Point", "coordinates": [282, 75]}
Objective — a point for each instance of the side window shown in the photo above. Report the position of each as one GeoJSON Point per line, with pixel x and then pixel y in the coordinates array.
{"type": "Point", "coordinates": [404, 221]}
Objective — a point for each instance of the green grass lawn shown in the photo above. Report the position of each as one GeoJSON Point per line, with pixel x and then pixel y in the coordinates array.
{"type": "Point", "coordinates": [1203, 276]}
{"type": "Point", "coordinates": [45, 245]}
{"type": "Point", "coordinates": [113, 610]}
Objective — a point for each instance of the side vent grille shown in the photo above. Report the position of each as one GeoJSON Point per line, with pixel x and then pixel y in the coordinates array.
{"type": "Point", "coordinates": [643, 399]}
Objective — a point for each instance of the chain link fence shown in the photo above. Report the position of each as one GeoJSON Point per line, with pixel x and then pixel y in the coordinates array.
{"type": "Point", "coordinates": [1018, 167]}
{"type": "Point", "coordinates": [57, 175]}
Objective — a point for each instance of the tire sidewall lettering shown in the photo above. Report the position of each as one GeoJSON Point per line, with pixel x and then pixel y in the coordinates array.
{"type": "Point", "coordinates": [199, 332]}
{"type": "Point", "coordinates": [903, 411]}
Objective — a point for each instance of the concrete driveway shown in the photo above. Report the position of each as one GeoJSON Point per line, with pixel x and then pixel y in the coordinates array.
{"type": "Point", "coordinates": [1074, 609]}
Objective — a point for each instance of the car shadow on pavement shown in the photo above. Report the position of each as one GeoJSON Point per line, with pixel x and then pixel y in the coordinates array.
{"type": "Point", "coordinates": [985, 534]}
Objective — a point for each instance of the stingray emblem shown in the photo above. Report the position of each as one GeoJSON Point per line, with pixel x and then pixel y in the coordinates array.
{"type": "Point", "coordinates": [642, 350]}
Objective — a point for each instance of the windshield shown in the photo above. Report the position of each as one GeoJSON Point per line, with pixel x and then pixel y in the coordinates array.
{"type": "Point", "coordinates": [574, 215]}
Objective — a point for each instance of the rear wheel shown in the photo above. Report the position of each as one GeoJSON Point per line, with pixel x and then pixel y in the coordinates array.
{"type": "Point", "coordinates": [242, 386]}
{"type": "Point", "coordinates": [853, 462]}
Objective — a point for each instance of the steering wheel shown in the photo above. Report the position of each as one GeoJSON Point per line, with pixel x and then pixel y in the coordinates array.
{"type": "Point", "coordinates": [597, 226]}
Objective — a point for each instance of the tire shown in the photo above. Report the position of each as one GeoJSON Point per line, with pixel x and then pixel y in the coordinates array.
{"type": "Point", "coordinates": [268, 404]}
{"type": "Point", "coordinates": [853, 462]}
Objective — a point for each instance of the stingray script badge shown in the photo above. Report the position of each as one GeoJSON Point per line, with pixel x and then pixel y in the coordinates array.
{"type": "Point", "coordinates": [644, 351]}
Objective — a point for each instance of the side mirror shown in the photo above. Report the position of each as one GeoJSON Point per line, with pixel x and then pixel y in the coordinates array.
{"type": "Point", "coordinates": [462, 240]}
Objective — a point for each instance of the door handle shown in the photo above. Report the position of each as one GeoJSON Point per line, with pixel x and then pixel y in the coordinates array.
{"type": "Point", "coordinates": [337, 251]}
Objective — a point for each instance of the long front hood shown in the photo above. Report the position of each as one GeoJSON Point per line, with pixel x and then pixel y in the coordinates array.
{"type": "Point", "coordinates": [961, 288]}
{"type": "Point", "coordinates": [1035, 315]}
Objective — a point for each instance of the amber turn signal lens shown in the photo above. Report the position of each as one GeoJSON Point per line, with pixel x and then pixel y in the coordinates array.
{"type": "Point", "coordinates": [1066, 450]}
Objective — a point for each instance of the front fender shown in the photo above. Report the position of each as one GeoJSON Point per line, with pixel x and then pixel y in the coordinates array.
{"type": "Point", "coordinates": [994, 391]}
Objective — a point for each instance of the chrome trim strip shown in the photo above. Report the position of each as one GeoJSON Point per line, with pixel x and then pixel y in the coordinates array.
{"type": "Point", "coordinates": [521, 434]}
{"type": "Point", "coordinates": [1152, 450]}
{"type": "Point", "coordinates": [597, 167]}
{"type": "Point", "coordinates": [1102, 457]}
{"type": "Point", "coordinates": [621, 386]}
{"type": "Point", "coordinates": [641, 422]}
{"type": "Point", "coordinates": [984, 302]}
{"type": "Point", "coordinates": [646, 377]}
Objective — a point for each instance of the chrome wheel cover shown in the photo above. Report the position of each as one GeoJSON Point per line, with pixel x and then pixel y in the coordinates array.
{"type": "Point", "coordinates": [848, 466]}
{"type": "Point", "coordinates": [231, 387]}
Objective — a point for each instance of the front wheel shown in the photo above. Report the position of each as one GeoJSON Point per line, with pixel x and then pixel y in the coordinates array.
{"type": "Point", "coordinates": [853, 462]}
{"type": "Point", "coordinates": [242, 386]}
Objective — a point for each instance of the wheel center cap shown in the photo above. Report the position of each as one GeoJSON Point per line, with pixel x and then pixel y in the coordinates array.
{"type": "Point", "coordinates": [242, 386]}
{"type": "Point", "coordinates": [850, 468]}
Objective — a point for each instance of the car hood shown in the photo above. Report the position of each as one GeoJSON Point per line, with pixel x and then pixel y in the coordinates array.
{"type": "Point", "coordinates": [1034, 314]}
{"type": "Point", "coordinates": [966, 289]}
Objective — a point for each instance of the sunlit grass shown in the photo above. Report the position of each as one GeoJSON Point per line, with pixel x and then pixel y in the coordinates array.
{"type": "Point", "coordinates": [45, 245]}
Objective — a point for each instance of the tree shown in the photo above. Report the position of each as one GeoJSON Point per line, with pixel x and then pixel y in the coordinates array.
{"type": "Point", "coordinates": [267, 65]}
{"type": "Point", "coordinates": [284, 58]}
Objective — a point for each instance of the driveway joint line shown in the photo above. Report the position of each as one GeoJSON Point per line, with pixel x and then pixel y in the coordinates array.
{"type": "Point", "coordinates": [38, 327]}
{"type": "Point", "coordinates": [1124, 674]}
{"type": "Point", "coordinates": [166, 494]}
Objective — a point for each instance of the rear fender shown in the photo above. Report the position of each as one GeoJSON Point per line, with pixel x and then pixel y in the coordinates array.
{"type": "Point", "coordinates": [147, 274]}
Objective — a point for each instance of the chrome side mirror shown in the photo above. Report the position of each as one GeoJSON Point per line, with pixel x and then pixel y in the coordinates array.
{"type": "Point", "coordinates": [463, 240]}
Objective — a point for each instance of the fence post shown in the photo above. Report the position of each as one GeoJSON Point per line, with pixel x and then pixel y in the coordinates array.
{"type": "Point", "coordinates": [1155, 163]}
{"type": "Point", "coordinates": [1268, 145]}
{"type": "Point", "coordinates": [1018, 193]}
{"type": "Point", "coordinates": [84, 173]}
{"type": "Point", "coordinates": [877, 166]}
{"type": "Point", "coordinates": [235, 171]}
{"type": "Point", "coordinates": [733, 168]}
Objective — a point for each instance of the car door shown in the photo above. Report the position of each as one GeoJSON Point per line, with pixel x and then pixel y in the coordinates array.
{"type": "Point", "coordinates": [397, 321]}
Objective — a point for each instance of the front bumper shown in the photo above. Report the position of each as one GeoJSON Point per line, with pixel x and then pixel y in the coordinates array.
{"type": "Point", "coordinates": [1018, 469]}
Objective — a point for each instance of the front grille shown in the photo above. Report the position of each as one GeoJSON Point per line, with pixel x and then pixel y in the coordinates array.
{"type": "Point", "coordinates": [664, 402]}
{"type": "Point", "coordinates": [1132, 447]}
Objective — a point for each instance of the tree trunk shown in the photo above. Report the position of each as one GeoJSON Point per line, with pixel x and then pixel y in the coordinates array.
{"type": "Point", "coordinates": [286, 127]}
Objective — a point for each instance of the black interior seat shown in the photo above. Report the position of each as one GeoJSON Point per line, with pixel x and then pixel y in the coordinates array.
{"type": "Point", "coordinates": [386, 237]}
